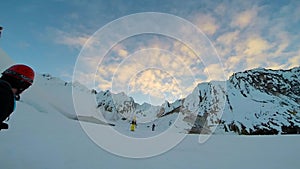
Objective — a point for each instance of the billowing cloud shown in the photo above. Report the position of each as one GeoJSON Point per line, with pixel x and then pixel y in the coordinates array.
{"type": "Point", "coordinates": [76, 40]}
{"type": "Point", "coordinates": [228, 37]}
{"type": "Point", "coordinates": [122, 53]}
{"type": "Point", "coordinates": [256, 45]}
{"type": "Point", "coordinates": [282, 42]}
{"type": "Point", "coordinates": [233, 61]}
{"type": "Point", "coordinates": [215, 72]}
{"type": "Point", "coordinates": [206, 23]}
{"type": "Point", "coordinates": [294, 61]}
{"type": "Point", "coordinates": [244, 18]}
{"type": "Point", "coordinates": [157, 84]}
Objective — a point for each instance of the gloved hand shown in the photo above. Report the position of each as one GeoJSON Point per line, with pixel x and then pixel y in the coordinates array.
{"type": "Point", "coordinates": [3, 126]}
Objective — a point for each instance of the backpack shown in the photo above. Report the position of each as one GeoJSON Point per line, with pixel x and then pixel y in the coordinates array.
{"type": "Point", "coordinates": [7, 100]}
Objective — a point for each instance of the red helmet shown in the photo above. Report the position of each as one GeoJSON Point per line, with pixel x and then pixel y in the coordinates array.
{"type": "Point", "coordinates": [21, 72]}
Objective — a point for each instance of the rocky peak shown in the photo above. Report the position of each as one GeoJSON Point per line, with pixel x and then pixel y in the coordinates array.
{"type": "Point", "coordinates": [273, 82]}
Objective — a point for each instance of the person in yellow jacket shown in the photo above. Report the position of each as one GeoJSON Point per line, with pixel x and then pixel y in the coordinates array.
{"type": "Point", "coordinates": [133, 124]}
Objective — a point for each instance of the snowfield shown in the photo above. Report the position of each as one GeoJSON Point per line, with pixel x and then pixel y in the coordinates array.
{"type": "Point", "coordinates": [47, 140]}
{"type": "Point", "coordinates": [40, 137]}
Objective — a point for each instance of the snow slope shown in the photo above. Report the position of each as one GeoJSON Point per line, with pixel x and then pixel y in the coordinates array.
{"type": "Point", "coordinates": [38, 140]}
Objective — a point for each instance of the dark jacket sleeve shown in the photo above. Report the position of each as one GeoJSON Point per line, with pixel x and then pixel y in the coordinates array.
{"type": "Point", "coordinates": [6, 100]}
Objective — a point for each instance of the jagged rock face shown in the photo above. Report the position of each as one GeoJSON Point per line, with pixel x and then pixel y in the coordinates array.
{"type": "Point", "coordinates": [120, 106]}
{"type": "Point", "coordinates": [205, 106]}
{"type": "Point", "coordinates": [280, 82]}
{"type": "Point", "coordinates": [115, 106]}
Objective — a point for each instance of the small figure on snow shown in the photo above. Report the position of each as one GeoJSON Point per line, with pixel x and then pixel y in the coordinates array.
{"type": "Point", "coordinates": [153, 127]}
{"type": "Point", "coordinates": [13, 82]}
{"type": "Point", "coordinates": [1, 28]}
{"type": "Point", "coordinates": [133, 124]}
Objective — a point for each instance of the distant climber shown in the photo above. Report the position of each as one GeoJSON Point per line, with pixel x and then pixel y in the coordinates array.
{"type": "Point", "coordinates": [153, 127]}
{"type": "Point", "coordinates": [13, 82]}
{"type": "Point", "coordinates": [1, 28]}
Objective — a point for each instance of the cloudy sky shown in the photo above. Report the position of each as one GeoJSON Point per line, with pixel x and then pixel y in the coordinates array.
{"type": "Point", "coordinates": [60, 36]}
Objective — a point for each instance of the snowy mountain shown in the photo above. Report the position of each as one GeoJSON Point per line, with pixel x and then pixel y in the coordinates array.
{"type": "Point", "coordinates": [120, 106]}
{"type": "Point", "coordinates": [262, 101]}
{"type": "Point", "coordinates": [258, 101]}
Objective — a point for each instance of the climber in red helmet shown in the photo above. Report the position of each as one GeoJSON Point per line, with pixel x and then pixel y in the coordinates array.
{"type": "Point", "coordinates": [13, 82]}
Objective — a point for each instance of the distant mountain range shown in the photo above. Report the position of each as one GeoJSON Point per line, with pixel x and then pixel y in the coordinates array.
{"type": "Point", "coordinates": [257, 101]}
